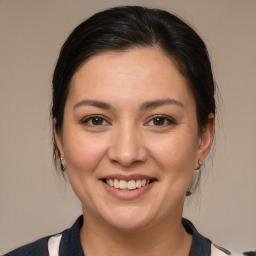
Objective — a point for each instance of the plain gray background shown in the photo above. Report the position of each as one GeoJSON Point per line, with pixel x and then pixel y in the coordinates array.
{"type": "Point", "coordinates": [36, 202]}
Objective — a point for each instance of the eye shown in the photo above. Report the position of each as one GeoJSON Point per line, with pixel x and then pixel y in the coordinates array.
{"type": "Point", "coordinates": [95, 121]}
{"type": "Point", "coordinates": [160, 121]}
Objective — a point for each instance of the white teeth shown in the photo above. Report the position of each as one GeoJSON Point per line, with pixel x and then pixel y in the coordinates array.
{"type": "Point", "coordinates": [131, 184]}
{"type": "Point", "coordinates": [138, 183]}
{"type": "Point", "coordinates": [123, 184]}
{"type": "Point", "coordinates": [111, 183]}
{"type": "Point", "coordinates": [116, 184]}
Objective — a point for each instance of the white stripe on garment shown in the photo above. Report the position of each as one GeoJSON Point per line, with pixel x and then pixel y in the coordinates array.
{"type": "Point", "coordinates": [217, 252]}
{"type": "Point", "coordinates": [54, 244]}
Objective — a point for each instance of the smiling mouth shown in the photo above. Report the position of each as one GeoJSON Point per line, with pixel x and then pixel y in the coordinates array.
{"type": "Point", "coordinates": [130, 184]}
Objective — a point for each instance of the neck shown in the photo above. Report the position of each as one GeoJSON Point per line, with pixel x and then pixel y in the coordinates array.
{"type": "Point", "coordinates": [166, 238]}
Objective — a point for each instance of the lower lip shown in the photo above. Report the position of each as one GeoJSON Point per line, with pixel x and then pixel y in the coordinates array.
{"type": "Point", "coordinates": [126, 194]}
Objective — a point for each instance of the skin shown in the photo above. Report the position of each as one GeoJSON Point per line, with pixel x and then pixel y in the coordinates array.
{"type": "Point", "coordinates": [129, 139]}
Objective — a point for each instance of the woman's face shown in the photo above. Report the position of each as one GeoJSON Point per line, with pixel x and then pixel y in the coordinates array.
{"type": "Point", "coordinates": [130, 138]}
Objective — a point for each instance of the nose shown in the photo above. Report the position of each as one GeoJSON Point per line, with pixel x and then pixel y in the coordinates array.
{"type": "Point", "coordinates": [127, 147]}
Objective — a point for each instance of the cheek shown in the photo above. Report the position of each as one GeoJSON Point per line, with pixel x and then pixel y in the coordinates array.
{"type": "Point", "coordinates": [176, 152]}
{"type": "Point", "coordinates": [175, 156]}
{"type": "Point", "coordinates": [83, 153]}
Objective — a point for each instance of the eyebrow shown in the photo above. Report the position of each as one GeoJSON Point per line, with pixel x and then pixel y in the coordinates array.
{"type": "Point", "coordinates": [159, 103]}
{"type": "Point", "coordinates": [144, 106]}
{"type": "Point", "coordinates": [94, 103]}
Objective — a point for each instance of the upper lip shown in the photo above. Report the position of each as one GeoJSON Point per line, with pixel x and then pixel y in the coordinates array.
{"type": "Point", "coordinates": [127, 177]}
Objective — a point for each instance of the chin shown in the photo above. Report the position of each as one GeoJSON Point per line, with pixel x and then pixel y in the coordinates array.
{"type": "Point", "coordinates": [129, 219]}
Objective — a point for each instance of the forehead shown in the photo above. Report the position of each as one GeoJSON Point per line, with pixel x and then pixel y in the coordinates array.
{"type": "Point", "coordinates": [139, 71]}
{"type": "Point", "coordinates": [122, 61]}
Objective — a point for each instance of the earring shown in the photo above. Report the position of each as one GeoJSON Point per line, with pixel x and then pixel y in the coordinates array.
{"type": "Point", "coordinates": [62, 166]}
{"type": "Point", "coordinates": [195, 180]}
{"type": "Point", "coordinates": [201, 164]}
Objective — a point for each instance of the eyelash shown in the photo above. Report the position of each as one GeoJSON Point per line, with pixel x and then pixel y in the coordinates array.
{"type": "Point", "coordinates": [166, 121]}
{"type": "Point", "coordinates": [89, 120]}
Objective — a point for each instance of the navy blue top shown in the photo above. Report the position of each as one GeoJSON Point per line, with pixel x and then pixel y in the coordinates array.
{"type": "Point", "coordinates": [70, 243]}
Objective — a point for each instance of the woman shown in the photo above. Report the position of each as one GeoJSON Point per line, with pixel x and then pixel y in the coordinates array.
{"type": "Point", "coordinates": [133, 115]}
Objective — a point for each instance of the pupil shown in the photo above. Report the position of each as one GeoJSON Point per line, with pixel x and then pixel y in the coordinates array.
{"type": "Point", "coordinates": [159, 121]}
{"type": "Point", "coordinates": [97, 120]}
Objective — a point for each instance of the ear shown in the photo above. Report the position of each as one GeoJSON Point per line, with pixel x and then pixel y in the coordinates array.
{"type": "Point", "coordinates": [205, 140]}
{"type": "Point", "coordinates": [58, 137]}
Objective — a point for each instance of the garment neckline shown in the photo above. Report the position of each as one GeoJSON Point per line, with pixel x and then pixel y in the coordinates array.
{"type": "Point", "coordinates": [70, 242]}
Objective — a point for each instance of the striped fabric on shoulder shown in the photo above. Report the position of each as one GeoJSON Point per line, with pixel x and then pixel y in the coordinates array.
{"type": "Point", "coordinates": [54, 245]}
{"type": "Point", "coordinates": [219, 251]}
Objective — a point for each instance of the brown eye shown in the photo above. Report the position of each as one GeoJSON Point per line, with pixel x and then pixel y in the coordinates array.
{"type": "Point", "coordinates": [95, 121]}
{"type": "Point", "coordinates": [159, 121]}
